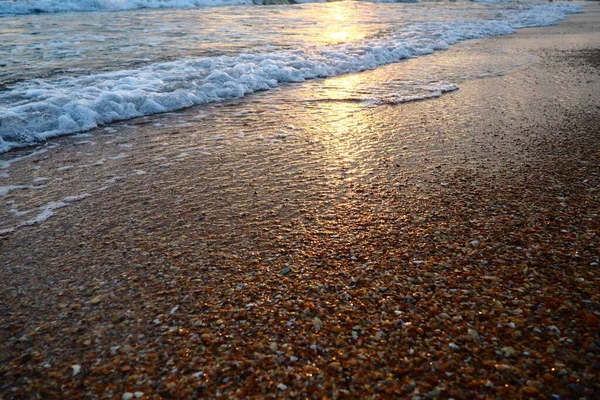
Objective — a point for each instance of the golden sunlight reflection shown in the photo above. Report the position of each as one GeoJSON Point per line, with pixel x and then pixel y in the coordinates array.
{"type": "Point", "coordinates": [340, 154]}
{"type": "Point", "coordinates": [339, 36]}
{"type": "Point", "coordinates": [339, 24]}
{"type": "Point", "coordinates": [342, 85]}
{"type": "Point", "coordinates": [339, 124]}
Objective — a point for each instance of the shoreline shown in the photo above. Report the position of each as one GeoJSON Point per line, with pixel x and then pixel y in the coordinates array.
{"type": "Point", "coordinates": [453, 254]}
{"type": "Point", "coordinates": [35, 120]}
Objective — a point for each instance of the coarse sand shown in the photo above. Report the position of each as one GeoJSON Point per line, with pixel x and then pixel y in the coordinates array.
{"type": "Point", "coordinates": [456, 257]}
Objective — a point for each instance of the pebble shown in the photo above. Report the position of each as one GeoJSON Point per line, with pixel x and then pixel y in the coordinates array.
{"type": "Point", "coordinates": [76, 369]}
{"type": "Point", "coordinates": [554, 329]}
{"type": "Point", "coordinates": [443, 316]}
{"type": "Point", "coordinates": [285, 271]}
{"type": "Point", "coordinates": [508, 351]}
{"type": "Point", "coordinates": [127, 396]}
{"type": "Point", "coordinates": [473, 333]}
{"type": "Point", "coordinates": [206, 337]}
{"type": "Point", "coordinates": [454, 346]}
{"type": "Point", "coordinates": [530, 391]}
{"type": "Point", "coordinates": [281, 386]}
{"type": "Point", "coordinates": [317, 323]}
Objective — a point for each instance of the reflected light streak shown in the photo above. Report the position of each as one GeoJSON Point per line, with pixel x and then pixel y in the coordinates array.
{"type": "Point", "coordinates": [338, 128]}
{"type": "Point", "coordinates": [339, 24]}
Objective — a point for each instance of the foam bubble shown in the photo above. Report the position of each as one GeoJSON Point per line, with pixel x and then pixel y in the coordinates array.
{"type": "Point", "coordinates": [4, 190]}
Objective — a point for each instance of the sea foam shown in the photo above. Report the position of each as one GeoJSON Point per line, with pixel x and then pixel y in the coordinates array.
{"type": "Point", "coordinates": [33, 111]}
{"type": "Point", "coordinates": [56, 6]}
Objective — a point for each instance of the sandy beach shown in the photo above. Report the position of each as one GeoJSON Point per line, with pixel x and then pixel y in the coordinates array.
{"type": "Point", "coordinates": [447, 248]}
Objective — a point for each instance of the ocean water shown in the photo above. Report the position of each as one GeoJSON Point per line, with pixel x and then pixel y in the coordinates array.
{"type": "Point", "coordinates": [200, 98]}
{"type": "Point", "coordinates": [70, 66]}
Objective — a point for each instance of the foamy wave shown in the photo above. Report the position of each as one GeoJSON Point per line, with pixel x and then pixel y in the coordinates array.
{"type": "Point", "coordinates": [54, 6]}
{"type": "Point", "coordinates": [36, 110]}
{"type": "Point", "coordinates": [393, 1]}
{"type": "Point", "coordinates": [493, 1]}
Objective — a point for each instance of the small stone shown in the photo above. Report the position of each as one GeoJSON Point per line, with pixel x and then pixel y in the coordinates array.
{"type": "Point", "coordinates": [443, 316]}
{"type": "Point", "coordinates": [273, 346]}
{"type": "Point", "coordinates": [317, 323]}
{"type": "Point", "coordinates": [127, 396]}
{"type": "Point", "coordinates": [334, 365]}
{"type": "Point", "coordinates": [96, 300]}
{"type": "Point", "coordinates": [535, 384]}
{"type": "Point", "coordinates": [591, 320]}
{"type": "Point", "coordinates": [508, 351]}
{"type": "Point", "coordinates": [473, 333]}
{"type": "Point", "coordinates": [336, 329]}
{"type": "Point", "coordinates": [503, 367]}
{"type": "Point", "coordinates": [285, 271]}
{"type": "Point", "coordinates": [553, 329]}
{"type": "Point", "coordinates": [530, 391]}
{"type": "Point", "coordinates": [206, 337]}
{"type": "Point", "coordinates": [548, 377]}
{"type": "Point", "coordinates": [454, 346]}
{"type": "Point", "coordinates": [138, 394]}
{"type": "Point", "coordinates": [76, 369]}
{"type": "Point", "coordinates": [578, 389]}
{"type": "Point", "coordinates": [281, 386]}
{"type": "Point", "coordinates": [174, 310]}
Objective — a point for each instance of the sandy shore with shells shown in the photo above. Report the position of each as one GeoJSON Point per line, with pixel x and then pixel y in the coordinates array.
{"type": "Point", "coordinates": [444, 249]}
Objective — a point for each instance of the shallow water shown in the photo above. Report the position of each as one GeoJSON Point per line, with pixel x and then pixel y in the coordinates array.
{"type": "Point", "coordinates": [334, 130]}
{"type": "Point", "coordinates": [323, 135]}
{"type": "Point", "coordinates": [54, 45]}
{"type": "Point", "coordinates": [70, 72]}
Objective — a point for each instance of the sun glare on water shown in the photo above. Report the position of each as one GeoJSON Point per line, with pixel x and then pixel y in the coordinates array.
{"type": "Point", "coordinates": [339, 25]}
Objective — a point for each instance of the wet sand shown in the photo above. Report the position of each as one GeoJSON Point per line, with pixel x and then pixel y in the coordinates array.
{"type": "Point", "coordinates": [282, 246]}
